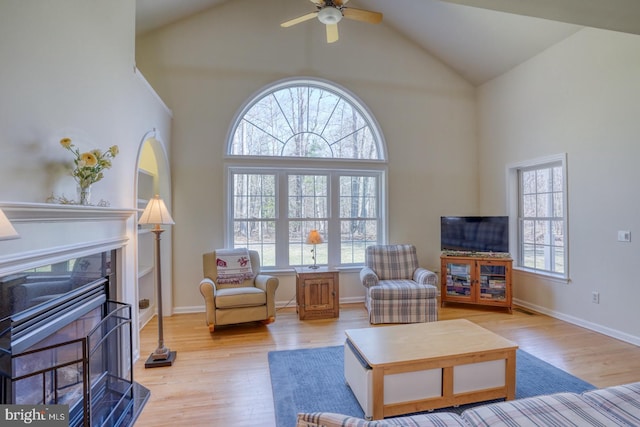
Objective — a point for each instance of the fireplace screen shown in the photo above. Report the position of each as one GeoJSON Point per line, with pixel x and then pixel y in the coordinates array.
{"type": "Point", "coordinates": [71, 347]}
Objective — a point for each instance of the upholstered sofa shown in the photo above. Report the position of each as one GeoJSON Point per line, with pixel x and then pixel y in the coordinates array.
{"type": "Point", "coordinates": [612, 406]}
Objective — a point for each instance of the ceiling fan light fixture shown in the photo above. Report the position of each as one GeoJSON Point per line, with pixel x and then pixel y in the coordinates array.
{"type": "Point", "coordinates": [329, 15]}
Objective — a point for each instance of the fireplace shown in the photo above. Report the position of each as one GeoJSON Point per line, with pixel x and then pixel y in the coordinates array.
{"type": "Point", "coordinates": [66, 337]}
{"type": "Point", "coordinates": [64, 341]}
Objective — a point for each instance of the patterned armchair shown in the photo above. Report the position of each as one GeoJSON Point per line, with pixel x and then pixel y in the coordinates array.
{"type": "Point", "coordinates": [397, 289]}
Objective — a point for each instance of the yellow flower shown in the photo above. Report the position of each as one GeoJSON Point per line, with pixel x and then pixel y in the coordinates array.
{"type": "Point", "coordinates": [89, 165]}
{"type": "Point", "coordinates": [89, 159]}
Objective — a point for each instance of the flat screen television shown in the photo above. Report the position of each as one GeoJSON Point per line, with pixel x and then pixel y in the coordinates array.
{"type": "Point", "coordinates": [474, 233]}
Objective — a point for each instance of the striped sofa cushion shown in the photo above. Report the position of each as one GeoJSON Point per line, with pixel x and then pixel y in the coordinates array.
{"type": "Point", "coordinates": [622, 401]}
{"type": "Point", "coordinates": [327, 419]}
{"type": "Point", "coordinates": [556, 410]}
{"type": "Point", "coordinates": [391, 262]}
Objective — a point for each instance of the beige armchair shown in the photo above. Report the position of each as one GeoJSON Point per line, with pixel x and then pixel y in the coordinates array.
{"type": "Point", "coordinates": [252, 300]}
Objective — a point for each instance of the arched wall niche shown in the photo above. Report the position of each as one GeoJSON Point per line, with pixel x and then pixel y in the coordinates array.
{"type": "Point", "coordinates": [153, 176]}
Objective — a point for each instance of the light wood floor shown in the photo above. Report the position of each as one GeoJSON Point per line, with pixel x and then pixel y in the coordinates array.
{"type": "Point", "coordinates": [222, 379]}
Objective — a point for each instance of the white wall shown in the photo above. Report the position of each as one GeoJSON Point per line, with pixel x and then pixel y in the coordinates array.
{"type": "Point", "coordinates": [206, 66]}
{"type": "Point", "coordinates": [68, 71]}
{"type": "Point", "coordinates": [580, 97]}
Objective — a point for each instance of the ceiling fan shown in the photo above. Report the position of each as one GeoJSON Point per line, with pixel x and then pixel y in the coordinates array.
{"type": "Point", "coordinates": [330, 12]}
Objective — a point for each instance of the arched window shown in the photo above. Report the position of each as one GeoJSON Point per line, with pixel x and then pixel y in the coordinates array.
{"type": "Point", "coordinates": [305, 154]}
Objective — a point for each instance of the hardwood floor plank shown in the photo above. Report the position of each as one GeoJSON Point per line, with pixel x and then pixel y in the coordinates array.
{"type": "Point", "coordinates": [222, 379]}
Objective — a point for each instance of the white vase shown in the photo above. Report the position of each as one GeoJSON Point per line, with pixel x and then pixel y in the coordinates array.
{"type": "Point", "coordinates": [84, 195]}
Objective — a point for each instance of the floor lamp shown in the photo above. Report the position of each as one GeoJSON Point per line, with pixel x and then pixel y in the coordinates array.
{"type": "Point", "coordinates": [156, 214]}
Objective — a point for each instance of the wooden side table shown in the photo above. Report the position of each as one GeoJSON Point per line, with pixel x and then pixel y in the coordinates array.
{"type": "Point", "coordinates": [317, 293]}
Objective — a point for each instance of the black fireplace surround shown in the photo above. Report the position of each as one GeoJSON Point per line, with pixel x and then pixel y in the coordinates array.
{"type": "Point", "coordinates": [64, 341]}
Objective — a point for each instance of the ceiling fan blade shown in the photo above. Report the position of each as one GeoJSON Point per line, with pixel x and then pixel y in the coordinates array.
{"type": "Point", "coordinates": [319, 3]}
{"type": "Point", "coordinates": [332, 33]}
{"type": "Point", "coordinates": [299, 19]}
{"type": "Point", "coordinates": [362, 15]}
{"type": "Point", "coordinates": [340, 2]}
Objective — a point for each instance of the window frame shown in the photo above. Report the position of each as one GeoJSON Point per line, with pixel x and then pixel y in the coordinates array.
{"type": "Point", "coordinates": [327, 85]}
{"type": "Point", "coordinates": [282, 172]}
{"type": "Point", "coordinates": [515, 200]}
{"type": "Point", "coordinates": [282, 166]}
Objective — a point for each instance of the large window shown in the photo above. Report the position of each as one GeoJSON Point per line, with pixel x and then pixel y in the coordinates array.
{"type": "Point", "coordinates": [305, 154]}
{"type": "Point", "coordinates": [542, 224]}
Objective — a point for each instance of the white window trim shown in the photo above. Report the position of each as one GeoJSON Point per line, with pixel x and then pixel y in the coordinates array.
{"type": "Point", "coordinates": [513, 197]}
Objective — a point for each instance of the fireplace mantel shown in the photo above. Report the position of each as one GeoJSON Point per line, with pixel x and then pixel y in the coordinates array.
{"type": "Point", "coordinates": [50, 232]}
{"type": "Point", "coordinates": [27, 212]}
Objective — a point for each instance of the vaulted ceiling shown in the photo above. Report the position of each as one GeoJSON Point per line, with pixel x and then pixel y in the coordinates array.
{"type": "Point", "coordinates": [480, 39]}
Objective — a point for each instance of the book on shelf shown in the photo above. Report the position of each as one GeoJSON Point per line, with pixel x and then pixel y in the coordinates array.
{"type": "Point", "coordinates": [497, 283]}
{"type": "Point", "coordinates": [459, 270]}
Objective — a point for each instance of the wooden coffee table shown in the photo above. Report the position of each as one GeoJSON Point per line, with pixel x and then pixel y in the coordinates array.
{"type": "Point", "coordinates": [402, 369]}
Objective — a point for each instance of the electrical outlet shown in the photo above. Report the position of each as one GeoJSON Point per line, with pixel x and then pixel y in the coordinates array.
{"type": "Point", "coordinates": [624, 236]}
{"type": "Point", "coordinates": [595, 297]}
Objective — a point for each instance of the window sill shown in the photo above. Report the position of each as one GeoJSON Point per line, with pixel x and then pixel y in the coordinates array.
{"type": "Point", "coordinates": [290, 271]}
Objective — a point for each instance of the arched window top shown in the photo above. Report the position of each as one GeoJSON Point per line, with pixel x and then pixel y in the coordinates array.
{"type": "Point", "coordinates": [308, 118]}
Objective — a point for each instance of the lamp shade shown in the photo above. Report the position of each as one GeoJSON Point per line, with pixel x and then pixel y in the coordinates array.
{"type": "Point", "coordinates": [156, 213]}
{"type": "Point", "coordinates": [7, 232]}
{"type": "Point", "coordinates": [314, 238]}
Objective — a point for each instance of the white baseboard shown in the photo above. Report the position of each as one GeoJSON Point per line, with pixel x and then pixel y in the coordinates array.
{"type": "Point", "coordinates": [187, 310]}
{"type": "Point", "coordinates": [279, 305]}
{"type": "Point", "coordinates": [613, 333]}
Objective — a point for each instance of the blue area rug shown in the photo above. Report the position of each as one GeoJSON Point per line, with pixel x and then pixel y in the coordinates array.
{"type": "Point", "coordinates": [312, 380]}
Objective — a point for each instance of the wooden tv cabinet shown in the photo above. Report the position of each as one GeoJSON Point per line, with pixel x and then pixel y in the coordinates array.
{"type": "Point", "coordinates": [481, 280]}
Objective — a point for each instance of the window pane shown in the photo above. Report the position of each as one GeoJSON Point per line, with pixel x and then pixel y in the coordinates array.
{"type": "Point", "coordinates": [308, 196]}
{"type": "Point", "coordinates": [528, 256]}
{"type": "Point", "coordinates": [558, 182]}
{"type": "Point", "coordinates": [529, 182]}
{"type": "Point", "coordinates": [542, 232]}
{"type": "Point", "coordinates": [528, 231]}
{"type": "Point", "coordinates": [529, 205]}
{"type": "Point", "coordinates": [559, 260]}
{"type": "Point", "coordinates": [258, 236]}
{"type": "Point", "coordinates": [355, 236]}
{"type": "Point", "coordinates": [306, 145]}
{"type": "Point", "coordinates": [542, 225]}
{"type": "Point", "coordinates": [543, 181]}
{"type": "Point", "coordinates": [358, 210]}
{"type": "Point", "coordinates": [254, 196]}
{"type": "Point", "coordinates": [305, 120]}
{"type": "Point", "coordinates": [540, 259]}
{"type": "Point", "coordinates": [558, 233]}
{"type": "Point", "coordinates": [299, 251]}
{"type": "Point", "coordinates": [358, 197]}
{"type": "Point", "coordinates": [558, 210]}
{"type": "Point", "coordinates": [541, 205]}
